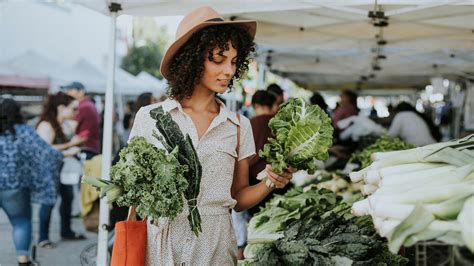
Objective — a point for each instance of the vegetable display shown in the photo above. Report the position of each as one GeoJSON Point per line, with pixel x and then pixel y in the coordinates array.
{"type": "Point", "coordinates": [272, 220]}
{"type": "Point", "coordinates": [146, 177]}
{"type": "Point", "coordinates": [420, 194]}
{"type": "Point", "coordinates": [314, 228]}
{"type": "Point", "coordinates": [336, 182]}
{"type": "Point", "coordinates": [303, 135]}
{"type": "Point", "coordinates": [382, 144]}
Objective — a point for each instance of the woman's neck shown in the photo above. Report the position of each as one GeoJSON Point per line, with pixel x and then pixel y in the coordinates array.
{"type": "Point", "coordinates": [263, 111]}
{"type": "Point", "coordinates": [202, 100]}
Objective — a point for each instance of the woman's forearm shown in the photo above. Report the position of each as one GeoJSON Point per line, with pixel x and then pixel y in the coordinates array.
{"type": "Point", "coordinates": [251, 196]}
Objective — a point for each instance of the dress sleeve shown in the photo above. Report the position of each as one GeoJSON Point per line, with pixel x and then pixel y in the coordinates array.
{"type": "Point", "coordinates": [247, 143]}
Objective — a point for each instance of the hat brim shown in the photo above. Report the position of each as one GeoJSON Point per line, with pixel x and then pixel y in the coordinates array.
{"type": "Point", "coordinates": [250, 25]}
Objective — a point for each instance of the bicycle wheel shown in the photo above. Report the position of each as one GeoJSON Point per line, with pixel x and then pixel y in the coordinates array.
{"type": "Point", "coordinates": [89, 255]}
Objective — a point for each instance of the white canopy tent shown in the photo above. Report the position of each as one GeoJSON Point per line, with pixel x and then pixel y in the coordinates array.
{"type": "Point", "coordinates": [33, 64]}
{"type": "Point", "coordinates": [332, 43]}
{"type": "Point", "coordinates": [157, 86]}
{"type": "Point", "coordinates": [326, 43]}
{"type": "Point", "coordinates": [329, 45]}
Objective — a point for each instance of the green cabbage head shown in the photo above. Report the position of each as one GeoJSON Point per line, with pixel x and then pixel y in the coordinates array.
{"type": "Point", "coordinates": [303, 134]}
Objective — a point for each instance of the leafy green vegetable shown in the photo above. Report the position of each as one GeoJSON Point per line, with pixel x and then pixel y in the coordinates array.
{"type": "Point", "coordinates": [384, 143]}
{"type": "Point", "coordinates": [303, 134]}
{"type": "Point", "coordinates": [329, 240]}
{"type": "Point", "coordinates": [146, 177]}
{"type": "Point", "coordinates": [329, 235]}
{"type": "Point", "coordinates": [171, 137]}
{"type": "Point", "coordinates": [272, 220]}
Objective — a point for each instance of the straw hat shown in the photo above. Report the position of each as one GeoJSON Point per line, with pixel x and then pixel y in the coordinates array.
{"type": "Point", "coordinates": [193, 22]}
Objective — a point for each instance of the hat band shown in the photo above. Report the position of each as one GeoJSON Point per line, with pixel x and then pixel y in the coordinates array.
{"type": "Point", "coordinates": [215, 19]}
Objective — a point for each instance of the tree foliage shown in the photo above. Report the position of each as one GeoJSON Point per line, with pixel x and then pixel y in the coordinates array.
{"type": "Point", "coordinates": [144, 58]}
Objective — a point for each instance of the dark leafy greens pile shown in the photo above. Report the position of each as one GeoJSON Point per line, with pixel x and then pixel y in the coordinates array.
{"type": "Point", "coordinates": [327, 235]}
{"type": "Point", "coordinates": [171, 137]}
{"type": "Point", "coordinates": [272, 221]}
{"type": "Point", "coordinates": [146, 177]}
{"type": "Point", "coordinates": [303, 134]}
{"type": "Point", "coordinates": [384, 143]}
{"type": "Point", "coordinates": [330, 240]}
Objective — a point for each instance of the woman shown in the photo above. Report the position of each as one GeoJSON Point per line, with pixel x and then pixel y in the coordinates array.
{"type": "Point", "coordinates": [208, 55]}
{"type": "Point", "coordinates": [413, 127]}
{"type": "Point", "coordinates": [27, 163]}
{"type": "Point", "coordinates": [56, 110]}
{"type": "Point", "coordinates": [347, 107]}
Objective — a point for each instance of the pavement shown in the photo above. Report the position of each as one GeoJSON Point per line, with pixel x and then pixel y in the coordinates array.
{"type": "Point", "coordinates": [65, 253]}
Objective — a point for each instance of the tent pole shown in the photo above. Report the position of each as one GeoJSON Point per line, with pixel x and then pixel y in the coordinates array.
{"type": "Point", "coordinates": [102, 249]}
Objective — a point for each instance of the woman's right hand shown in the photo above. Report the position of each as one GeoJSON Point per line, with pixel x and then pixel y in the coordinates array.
{"type": "Point", "coordinates": [280, 181]}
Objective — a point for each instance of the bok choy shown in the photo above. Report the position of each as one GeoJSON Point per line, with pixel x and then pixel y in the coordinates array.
{"type": "Point", "coordinates": [302, 135]}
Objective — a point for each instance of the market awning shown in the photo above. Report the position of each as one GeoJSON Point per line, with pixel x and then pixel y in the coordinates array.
{"type": "Point", "coordinates": [20, 82]}
{"type": "Point", "coordinates": [322, 43]}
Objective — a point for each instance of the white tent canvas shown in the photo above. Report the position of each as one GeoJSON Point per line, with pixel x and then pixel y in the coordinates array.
{"type": "Point", "coordinates": [33, 64]}
{"type": "Point", "coordinates": [332, 43]}
{"type": "Point", "coordinates": [156, 85]}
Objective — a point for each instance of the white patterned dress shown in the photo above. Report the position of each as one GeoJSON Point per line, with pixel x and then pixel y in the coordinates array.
{"type": "Point", "coordinates": [173, 242]}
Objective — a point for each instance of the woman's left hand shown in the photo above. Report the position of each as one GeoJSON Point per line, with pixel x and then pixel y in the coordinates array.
{"type": "Point", "coordinates": [280, 180]}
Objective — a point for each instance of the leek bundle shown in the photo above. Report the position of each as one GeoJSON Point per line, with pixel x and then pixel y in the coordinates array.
{"type": "Point", "coordinates": [426, 193]}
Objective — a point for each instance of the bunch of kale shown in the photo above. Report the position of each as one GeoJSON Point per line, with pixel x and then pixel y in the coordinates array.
{"type": "Point", "coordinates": [330, 240]}
{"type": "Point", "coordinates": [146, 177]}
{"type": "Point", "coordinates": [172, 137]}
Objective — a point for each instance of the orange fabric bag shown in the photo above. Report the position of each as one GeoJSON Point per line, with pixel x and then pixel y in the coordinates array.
{"type": "Point", "coordinates": [130, 241]}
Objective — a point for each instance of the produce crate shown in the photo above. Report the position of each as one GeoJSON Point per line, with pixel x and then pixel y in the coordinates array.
{"type": "Point", "coordinates": [434, 253]}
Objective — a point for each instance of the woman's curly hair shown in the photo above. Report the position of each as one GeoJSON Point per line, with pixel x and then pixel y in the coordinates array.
{"type": "Point", "coordinates": [187, 65]}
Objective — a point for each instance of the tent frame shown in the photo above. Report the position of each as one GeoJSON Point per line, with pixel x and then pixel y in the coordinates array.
{"type": "Point", "coordinates": [102, 241]}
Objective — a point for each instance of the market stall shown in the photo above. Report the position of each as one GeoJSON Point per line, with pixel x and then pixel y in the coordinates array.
{"type": "Point", "coordinates": [323, 45]}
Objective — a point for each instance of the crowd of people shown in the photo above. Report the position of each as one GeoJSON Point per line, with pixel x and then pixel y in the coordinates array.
{"type": "Point", "coordinates": [36, 161]}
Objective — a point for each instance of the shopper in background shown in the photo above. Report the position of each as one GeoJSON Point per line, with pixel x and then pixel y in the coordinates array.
{"type": "Point", "coordinates": [88, 120]}
{"type": "Point", "coordinates": [347, 107]}
{"type": "Point", "coordinates": [277, 91]}
{"type": "Point", "coordinates": [317, 99]}
{"type": "Point", "coordinates": [143, 99]}
{"type": "Point", "coordinates": [57, 110]}
{"type": "Point", "coordinates": [28, 166]}
{"type": "Point", "coordinates": [412, 126]}
{"type": "Point", "coordinates": [126, 123]}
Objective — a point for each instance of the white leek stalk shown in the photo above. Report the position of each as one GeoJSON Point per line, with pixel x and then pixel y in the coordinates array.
{"type": "Point", "coordinates": [466, 220]}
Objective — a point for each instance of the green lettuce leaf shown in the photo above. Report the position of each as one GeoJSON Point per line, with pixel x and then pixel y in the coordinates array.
{"type": "Point", "coordinates": [303, 134]}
